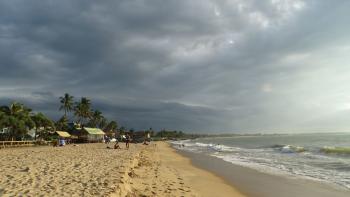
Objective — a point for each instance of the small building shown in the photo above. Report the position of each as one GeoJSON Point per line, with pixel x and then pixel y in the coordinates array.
{"type": "Point", "coordinates": [63, 134]}
{"type": "Point", "coordinates": [4, 130]}
{"type": "Point", "coordinates": [91, 134]}
{"type": "Point", "coordinates": [63, 137]}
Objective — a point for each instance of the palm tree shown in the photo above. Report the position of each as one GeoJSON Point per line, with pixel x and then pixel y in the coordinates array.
{"type": "Point", "coordinates": [82, 110]}
{"type": "Point", "coordinates": [66, 103]}
{"type": "Point", "coordinates": [111, 127]}
{"type": "Point", "coordinates": [16, 108]}
{"type": "Point", "coordinates": [48, 126]}
{"type": "Point", "coordinates": [103, 123]}
{"type": "Point", "coordinates": [62, 123]}
{"type": "Point", "coordinates": [96, 118]}
{"type": "Point", "coordinates": [78, 112]}
{"type": "Point", "coordinates": [40, 120]}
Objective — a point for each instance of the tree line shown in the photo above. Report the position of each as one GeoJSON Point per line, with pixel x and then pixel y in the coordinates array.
{"type": "Point", "coordinates": [17, 119]}
{"type": "Point", "coordinates": [166, 134]}
{"type": "Point", "coordinates": [83, 114]}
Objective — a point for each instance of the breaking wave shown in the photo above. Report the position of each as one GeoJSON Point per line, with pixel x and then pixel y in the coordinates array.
{"type": "Point", "coordinates": [336, 150]}
{"type": "Point", "coordinates": [315, 162]}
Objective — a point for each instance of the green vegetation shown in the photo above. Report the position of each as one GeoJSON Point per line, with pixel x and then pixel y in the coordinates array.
{"type": "Point", "coordinates": [111, 126]}
{"type": "Point", "coordinates": [84, 115]}
{"type": "Point", "coordinates": [66, 103]}
{"type": "Point", "coordinates": [62, 124]}
{"type": "Point", "coordinates": [95, 118]}
{"type": "Point", "coordinates": [41, 121]}
{"type": "Point", "coordinates": [82, 110]}
{"type": "Point", "coordinates": [16, 120]}
{"type": "Point", "coordinates": [172, 135]}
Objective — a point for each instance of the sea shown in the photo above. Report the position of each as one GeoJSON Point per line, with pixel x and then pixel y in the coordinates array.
{"type": "Point", "coordinates": [322, 157]}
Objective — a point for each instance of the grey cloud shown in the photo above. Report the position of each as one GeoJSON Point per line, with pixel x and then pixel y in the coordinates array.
{"type": "Point", "coordinates": [190, 65]}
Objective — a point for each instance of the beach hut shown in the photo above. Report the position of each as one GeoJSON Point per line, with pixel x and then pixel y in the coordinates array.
{"type": "Point", "coordinates": [63, 134]}
{"type": "Point", "coordinates": [92, 134]}
{"type": "Point", "coordinates": [63, 137]}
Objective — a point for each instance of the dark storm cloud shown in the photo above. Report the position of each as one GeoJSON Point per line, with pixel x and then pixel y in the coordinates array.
{"type": "Point", "coordinates": [191, 65]}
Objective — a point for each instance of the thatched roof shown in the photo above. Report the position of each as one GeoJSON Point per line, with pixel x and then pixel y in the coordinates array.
{"type": "Point", "coordinates": [63, 134]}
{"type": "Point", "coordinates": [94, 131]}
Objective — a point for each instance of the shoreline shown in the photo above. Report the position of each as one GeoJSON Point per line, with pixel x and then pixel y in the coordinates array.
{"type": "Point", "coordinates": [206, 183]}
{"type": "Point", "coordinates": [253, 183]}
{"type": "Point", "coordinates": [160, 171]}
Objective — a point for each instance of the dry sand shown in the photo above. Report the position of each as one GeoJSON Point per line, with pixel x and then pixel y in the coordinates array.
{"type": "Point", "coordinates": [94, 170]}
{"type": "Point", "coordinates": [161, 171]}
{"type": "Point", "coordinates": [83, 170]}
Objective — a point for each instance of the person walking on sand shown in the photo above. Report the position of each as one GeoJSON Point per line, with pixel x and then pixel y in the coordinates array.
{"type": "Point", "coordinates": [127, 140]}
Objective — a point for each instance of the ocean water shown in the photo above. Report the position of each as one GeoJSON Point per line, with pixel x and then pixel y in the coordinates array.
{"type": "Point", "coordinates": [322, 157]}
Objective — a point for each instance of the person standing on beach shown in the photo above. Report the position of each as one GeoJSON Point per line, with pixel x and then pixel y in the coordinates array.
{"type": "Point", "coordinates": [127, 140]}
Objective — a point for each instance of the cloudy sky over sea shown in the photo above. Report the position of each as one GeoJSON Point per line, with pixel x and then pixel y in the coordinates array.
{"type": "Point", "coordinates": [199, 65]}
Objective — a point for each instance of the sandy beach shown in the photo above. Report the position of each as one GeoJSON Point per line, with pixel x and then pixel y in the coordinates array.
{"type": "Point", "coordinates": [94, 170]}
{"type": "Point", "coordinates": [216, 98]}
{"type": "Point", "coordinates": [83, 170]}
{"type": "Point", "coordinates": [153, 170]}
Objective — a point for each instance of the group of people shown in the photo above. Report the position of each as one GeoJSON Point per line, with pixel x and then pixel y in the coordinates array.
{"type": "Point", "coordinates": [127, 139]}
{"type": "Point", "coordinates": [116, 145]}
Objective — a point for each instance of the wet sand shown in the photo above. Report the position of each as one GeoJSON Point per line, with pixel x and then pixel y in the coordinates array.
{"type": "Point", "coordinates": [204, 183]}
{"type": "Point", "coordinates": [258, 184]}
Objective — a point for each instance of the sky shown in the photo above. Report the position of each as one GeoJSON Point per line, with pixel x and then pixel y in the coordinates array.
{"type": "Point", "coordinates": [229, 66]}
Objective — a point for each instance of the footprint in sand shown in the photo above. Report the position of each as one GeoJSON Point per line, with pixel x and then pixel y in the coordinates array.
{"type": "Point", "coordinates": [26, 169]}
